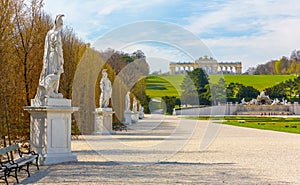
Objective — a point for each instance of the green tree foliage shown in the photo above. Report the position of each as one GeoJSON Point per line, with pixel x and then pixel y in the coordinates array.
{"type": "Point", "coordinates": [194, 88]}
{"type": "Point", "coordinates": [247, 92]}
{"type": "Point", "coordinates": [289, 90]}
{"type": "Point", "coordinates": [189, 95]}
{"type": "Point", "coordinates": [276, 91]}
{"type": "Point", "coordinates": [216, 93]}
{"type": "Point", "coordinates": [235, 92]}
{"type": "Point", "coordinates": [127, 59]}
{"type": "Point", "coordinates": [170, 103]}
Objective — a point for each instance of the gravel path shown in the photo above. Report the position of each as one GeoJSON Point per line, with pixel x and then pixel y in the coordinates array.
{"type": "Point", "coordinates": [165, 150]}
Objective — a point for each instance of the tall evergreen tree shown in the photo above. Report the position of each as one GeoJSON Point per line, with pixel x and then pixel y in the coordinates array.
{"type": "Point", "coordinates": [194, 88]}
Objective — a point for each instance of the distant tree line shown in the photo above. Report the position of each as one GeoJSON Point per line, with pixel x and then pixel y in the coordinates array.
{"type": "Point", "coordinates": [198, 91]}
{"type": "Point", "coordinates": [284, 65]}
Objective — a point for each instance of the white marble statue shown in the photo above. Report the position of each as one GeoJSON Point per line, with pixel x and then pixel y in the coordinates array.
{"type": "Point", "coordinates": [262, 94]}
{"type": "Point", "coordinates": [243, 102]}
{"type": "Point", "coordinates": [141, 112]}
{"type": "Point", "coordinates": [275, 101]}
{"type": "Point", "coordinates": [134, 105]}
{"type": "Point", "coordinates": [127, 101]}
{"type": "Point", "coordinates": [174, 112]}
{"type": "Point", "coordinates": [106, 90]}
{"type": "Point", "coordinates": [284, 101]}
{"type": "Point", "coordinates": [253, 102]}
{"type": "Point", "coordinates": [52, 65]}
{"type": "Point", "coordinates": [141, 108]}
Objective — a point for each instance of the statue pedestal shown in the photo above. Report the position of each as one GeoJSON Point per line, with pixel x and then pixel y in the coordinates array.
{"type": "Point", "coordinates": [127, 117]}
{"type": "Point", "coordinates": [135, 117]}
{"type": "Point", "coordinates": [141, 115]}
{"type": "Point", "coordinates": [103, 121]}
{"type": "Point", "coordinates": [50, 131]}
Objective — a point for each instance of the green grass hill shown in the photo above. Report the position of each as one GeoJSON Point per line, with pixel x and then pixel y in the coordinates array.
{"type": "Point", "coordinates": [164, 85]}
{"type": "Point", "coordinates": [259, 82]}
{"type": "Point", "coordinates": [169, 85]}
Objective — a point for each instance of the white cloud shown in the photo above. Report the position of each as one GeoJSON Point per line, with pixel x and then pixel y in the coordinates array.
{"type": "Point", "coordinates": [155, 32]}
{"type": "Point", "coordinates": [251, 31]}
{"type": "Point", "coordinates": [235, 15]}
{"type": "Point", "coordinates": [253, 50]}
{"type": "Point", "coordinates": [267, 30]}
{"type": "Point", "coordinates": [130, 6]}
{"type": "Point", "coordinates": [92, 16]}
{"type": "Point", "coordinates": [159, 55]}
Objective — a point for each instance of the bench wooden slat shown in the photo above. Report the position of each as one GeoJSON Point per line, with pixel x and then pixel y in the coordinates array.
{"type": "Point", "coordinates": [9, 165]}
{"type": "Point", "coordinates": [23, 161]}
{"type": "Point", "coordinates": [10, 148]}
{"type": "Point", "coordinates": [2, 169]}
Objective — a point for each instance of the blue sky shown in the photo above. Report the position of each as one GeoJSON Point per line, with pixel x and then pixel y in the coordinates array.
{"type": "Point", "coordinates": [250, 31]}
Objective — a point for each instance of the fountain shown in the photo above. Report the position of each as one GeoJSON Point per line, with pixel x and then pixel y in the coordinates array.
{"type": "Point", "coordinates": [264, 105]}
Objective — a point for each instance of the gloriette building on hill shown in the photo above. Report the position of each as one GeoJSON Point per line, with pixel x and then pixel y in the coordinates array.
{"type": "Point", "coordinates": [209, 64]}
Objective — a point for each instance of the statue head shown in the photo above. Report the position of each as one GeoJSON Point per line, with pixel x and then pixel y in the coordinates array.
{"type": "Point", "coordinates": [58, 23]}
{"type": "Point", "coordinates": [104, 73]}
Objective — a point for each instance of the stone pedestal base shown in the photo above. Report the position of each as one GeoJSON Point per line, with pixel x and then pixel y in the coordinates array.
{"type": "Point", "coordinates": [55, 158]}
{"type": "Point", "coordinates": [50, 131]}
{"type": "Point", "coordinates": [141, 115]}
{"type": "Point", "coordinates": [135, 117]}
{"type": "Point", "coordinates": [264, 109]}
{"type": "Point", "coordinates": [103, 121]}
{"type": "Point", "coordinates": [127, 117]}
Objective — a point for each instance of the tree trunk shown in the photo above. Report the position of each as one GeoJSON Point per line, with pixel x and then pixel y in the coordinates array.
{"type": "Point", "coordinates": [26, 79]}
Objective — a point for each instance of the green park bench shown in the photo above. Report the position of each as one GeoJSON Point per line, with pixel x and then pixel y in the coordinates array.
{"type": "Point", "coordinates": [119, 127]}
{"type": "Point", "coordinates": [13, 160]}
{"type": "Point", "coordinates": [3, 174]}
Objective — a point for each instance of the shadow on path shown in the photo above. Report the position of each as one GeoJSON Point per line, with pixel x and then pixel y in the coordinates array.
{"type": "Point", "coordinates": [162, 173]}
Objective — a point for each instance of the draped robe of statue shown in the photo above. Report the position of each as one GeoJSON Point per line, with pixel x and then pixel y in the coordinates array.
{"type": "Point", "coordinates": [106, 90]}
{"type": "Point", "coordinates": [52, 65]}
{"type": "Point", "coordinates": [134, 105]}
{"type": "Point", "coordinates": [127, 102]}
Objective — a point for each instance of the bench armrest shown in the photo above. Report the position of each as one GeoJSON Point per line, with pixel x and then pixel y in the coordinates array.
{"type": "Point", "coordinates": [3, 168]}
{"type": "Point", "coordinates": [28, 153]}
